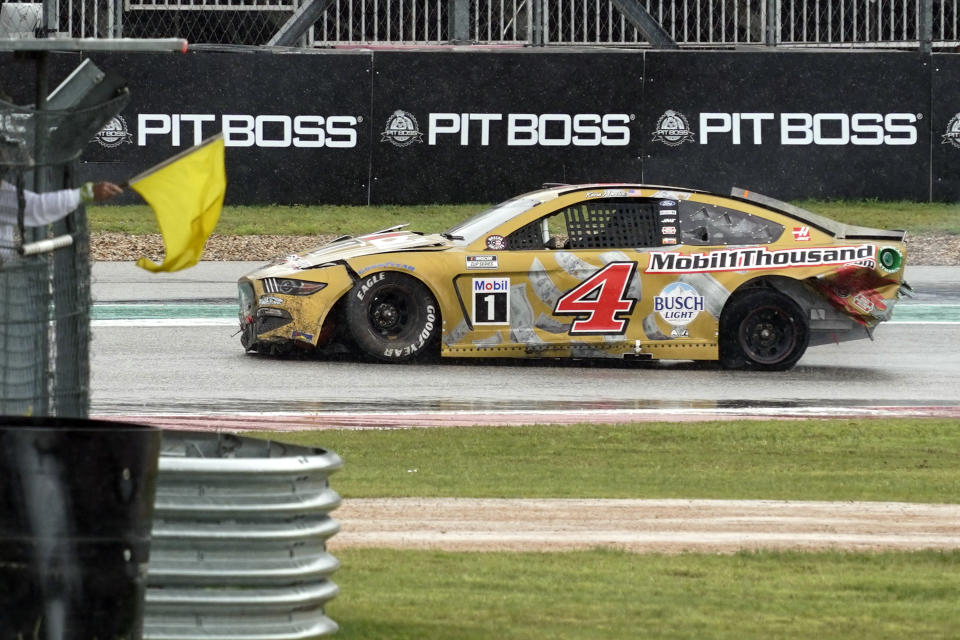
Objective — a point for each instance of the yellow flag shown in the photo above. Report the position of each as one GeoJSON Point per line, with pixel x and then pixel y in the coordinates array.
{"type": "Point", "coordinates": [186, 194]}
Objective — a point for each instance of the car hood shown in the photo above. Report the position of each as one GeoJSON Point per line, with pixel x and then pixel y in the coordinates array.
{"type": "Point", "coordinates": [347, 247]}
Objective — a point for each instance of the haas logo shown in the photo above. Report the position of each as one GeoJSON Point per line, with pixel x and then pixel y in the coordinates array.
{"type": "Point", "coordinates": [801, 234]}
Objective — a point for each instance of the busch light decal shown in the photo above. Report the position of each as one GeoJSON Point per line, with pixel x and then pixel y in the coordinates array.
{"type": "Point", "coordinates": [678, 304]}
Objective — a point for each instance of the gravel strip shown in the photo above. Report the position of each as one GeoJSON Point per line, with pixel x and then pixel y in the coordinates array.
{"type": "Point", "coordinates": [645, 526]}
{"type": "Point", "coordinates": [126, 247]}
{"type": "Point", "coordinates": [922, 248]}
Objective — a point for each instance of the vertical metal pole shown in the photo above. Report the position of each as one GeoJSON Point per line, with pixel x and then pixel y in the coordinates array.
{"type": "Point", "coordinates": [116, 18]}
{"type": "Point", "coordinates": [772, 19]}
{"type": "Point", "coordinates": [458, 21]}
{"type": "Point", "coordinates": [926, 27]}
{"type": "Point", "coordinates": [536, 31]}
{"type": "Point", "coordinates": [35, 271]}
{"type": "Point", "coordinates": [71, 312]}
{"type": "Point", "coordinates": [40, 100]}
{"type": "Point", "coordinates": [51, 17]}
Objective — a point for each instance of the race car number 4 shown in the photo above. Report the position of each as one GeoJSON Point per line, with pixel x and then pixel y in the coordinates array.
{"type": "Point", "coordinates": [600, 302]}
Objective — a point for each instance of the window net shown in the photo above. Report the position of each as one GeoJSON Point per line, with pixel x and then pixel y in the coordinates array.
{"type": "Point", "coordinates": [600, 225]}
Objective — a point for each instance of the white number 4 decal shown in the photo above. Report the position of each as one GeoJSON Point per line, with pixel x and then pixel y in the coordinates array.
{"type": "Point", "coordinates": [600, 301]}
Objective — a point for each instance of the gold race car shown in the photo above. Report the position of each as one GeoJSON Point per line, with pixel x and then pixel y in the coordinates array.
{"type": "Point", "coordinates": [588, 271]}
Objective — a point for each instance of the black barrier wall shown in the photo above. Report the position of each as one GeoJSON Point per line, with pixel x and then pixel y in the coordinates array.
{"type": "Point", "coordinates": [295, 124]}
{"type": "Point", "coordinates": [354, 127]}
{"type": "Point", "coordinates": [797, 124]}
{"type": "Point", "coordinates": [491, 125]}
{"type": "Point", "coordinates": [945, 128]}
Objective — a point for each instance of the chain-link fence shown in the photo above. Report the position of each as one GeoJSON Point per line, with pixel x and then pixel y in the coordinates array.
{"type": "Point", "coordinates": [875, 23]}
{"type": "Point", "coordinates": [44, 263]}
{"type": "Point", "coordinates": [690, 23]}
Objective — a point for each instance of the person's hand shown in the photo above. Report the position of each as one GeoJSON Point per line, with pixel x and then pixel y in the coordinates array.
{"type": "Point", "coordinates": [105, 190]}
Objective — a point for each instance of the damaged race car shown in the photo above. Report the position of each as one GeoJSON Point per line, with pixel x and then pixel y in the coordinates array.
{"type": "Point", "coordinates": [588, 271]}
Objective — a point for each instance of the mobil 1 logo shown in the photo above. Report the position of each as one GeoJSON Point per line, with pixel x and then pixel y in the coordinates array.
{"type": "Point", "coordinates": [491, 301]}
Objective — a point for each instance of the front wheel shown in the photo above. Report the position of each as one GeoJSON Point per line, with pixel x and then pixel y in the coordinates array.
{"type": "Point", "coordinates": [393, 317]}
{"type": "Point", "coordinates": [762, 329]}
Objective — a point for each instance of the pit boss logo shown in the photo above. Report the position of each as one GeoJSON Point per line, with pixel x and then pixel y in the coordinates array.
{"type": "Point", "coordinates": [491, 301]}
{"type": "Point", "coordinates": [679, 303]}
{"type": "Point", "coordinates": [673, 129]}
{"type": "Point", "coordinates": [401, 129]}
{"type": "Point", "coordinates": [760, 258]}
{"type": "Point", "coordinates": [952, 136]}
{"type": "Point", "coordinates": [114, 133]}
{"type": "Point", "coordinates": [795, 128]}
{"type": "Point", "coordinates": [242, 130]}
{"type": "Point", "coordinates": [512, 129]}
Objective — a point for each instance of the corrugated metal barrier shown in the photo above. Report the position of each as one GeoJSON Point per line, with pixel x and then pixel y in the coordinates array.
{"type": "Point", "coordinates": [238, 547]}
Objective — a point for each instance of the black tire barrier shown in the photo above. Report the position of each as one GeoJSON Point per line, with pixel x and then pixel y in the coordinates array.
{"type": "Point", "coordinates": [76, 504]}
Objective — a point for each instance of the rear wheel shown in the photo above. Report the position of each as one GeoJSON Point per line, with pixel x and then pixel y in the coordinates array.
{"type": "Point", "coordinates": [393, 318]}
{"type": "Point", "coordinates": [762, 329]}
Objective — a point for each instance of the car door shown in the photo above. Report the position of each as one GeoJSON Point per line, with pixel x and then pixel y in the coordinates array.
{"type": "Point", "coordinates": [576, 276]}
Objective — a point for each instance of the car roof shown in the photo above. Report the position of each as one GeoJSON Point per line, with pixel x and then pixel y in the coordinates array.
{"type": "Point", "coordinates": [561, 189]}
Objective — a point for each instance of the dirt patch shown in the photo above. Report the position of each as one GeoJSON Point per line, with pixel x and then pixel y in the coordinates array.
{"type": "Point", "coordinates": [649, 526]}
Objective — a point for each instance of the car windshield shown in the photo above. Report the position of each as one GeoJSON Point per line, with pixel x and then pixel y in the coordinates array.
{"type": "Point", "coordinates": [476, 226]}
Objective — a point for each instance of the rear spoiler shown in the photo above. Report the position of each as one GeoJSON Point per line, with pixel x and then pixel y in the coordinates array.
{"type": "Point", "coordinates": [837, 229]}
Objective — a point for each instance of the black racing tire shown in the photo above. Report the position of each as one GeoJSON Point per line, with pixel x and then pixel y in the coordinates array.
{"type": "Point", "coordinates": [393, 318]}
{"type": "Point", "coordinates": [762, 329]}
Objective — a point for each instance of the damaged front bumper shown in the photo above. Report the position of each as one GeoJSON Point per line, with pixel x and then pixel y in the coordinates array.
{"type": "Point", "coordinates": [283, 311]}
{"type": "Point", "coordinates": [255, 320]}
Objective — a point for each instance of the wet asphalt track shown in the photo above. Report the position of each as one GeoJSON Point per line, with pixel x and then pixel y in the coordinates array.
{"type": "Point", "coordinates": [201, 370]}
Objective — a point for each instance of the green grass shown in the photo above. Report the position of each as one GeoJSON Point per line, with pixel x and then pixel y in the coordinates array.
{"type": "Point", "coordinates": [885, 460]}
{"type": "Point", "coordinates": [334, 219]}
{"type": "Point", "coordinates": [609, 594]}
{"type": "Point", "coordinates": [411, 595]}
{"type": "Point", "coordinates": [915, 217]}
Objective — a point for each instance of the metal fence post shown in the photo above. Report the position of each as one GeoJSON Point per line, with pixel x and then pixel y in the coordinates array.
{"type": "Point", "coordinates": [41, 181]}
{"type": "Point", "coordinates": [51, 17]}
{"type": "Point", "coordinates": [536, 27]}
{"type": "Point", "coordinates": [458, 21]}
{"type": "Point", "coordinates": [925, 27]}
{"type": "Point", "coordinates": [773, 14]}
